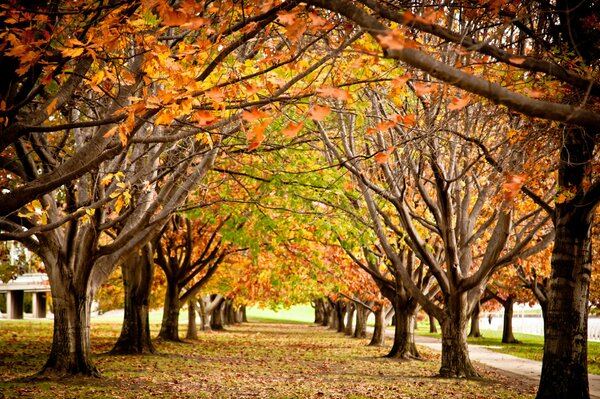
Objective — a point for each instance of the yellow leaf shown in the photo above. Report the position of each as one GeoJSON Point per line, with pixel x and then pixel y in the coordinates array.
{"type": "Point", "coordinates": [72, 52]}
{"type": "Point", "coordinates": [164, 118]}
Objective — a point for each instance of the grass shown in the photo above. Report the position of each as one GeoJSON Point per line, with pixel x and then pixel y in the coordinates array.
{"type": "Point", "coordinates": [529, 346]}
{"type": "Point", "coordinates": [253, 360]}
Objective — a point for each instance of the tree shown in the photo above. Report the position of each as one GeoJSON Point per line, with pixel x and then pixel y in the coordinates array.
{"type": "Point", "coordinates": [564, 374]}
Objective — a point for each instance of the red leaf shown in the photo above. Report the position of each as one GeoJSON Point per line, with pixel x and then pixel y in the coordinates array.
{"type": "Point", "coordinates": [382, 157]}
{"type": "Point", "coordinates": [292, 129]}
{"type": "Point", "coordinates": [318, 113]}
{"type": "Point", "coordinates": [253, 115]}
{"type": "Point", "coordinates": [458, 103]}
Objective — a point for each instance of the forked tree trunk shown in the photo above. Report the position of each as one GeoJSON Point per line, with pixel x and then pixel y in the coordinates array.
{"type": "Point", "coordinates": [475, 331]}
{"type": "Point", "coordinates": [71, 350]}
{"type": "Point", "coordinates": [378, 338]}
{"type": "Point", "coordinates": [507, 330]}
{"type": "Point", "coordinates": [192, 329]}
{"type": "Point", "coordinates": [404, 331]}
{"type": "Point", "coordinates": [169, 328]}
{"type": "Point", "coordinates": [135, 338]}
{"type": "Point", "coordinates": [455, 353]}
{"type": "Point", "coordinates": [362, 314]}
{"type": "Point", "coordinates": [432, 325]}
{"type": "Point", "coordinates": [348, 330]}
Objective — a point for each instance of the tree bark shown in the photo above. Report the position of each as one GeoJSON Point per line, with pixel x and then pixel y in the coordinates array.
{"type": "Point", "coordinates": [340, 313]}
{"type": "Point", "coordinates": [475, 330]}
{"type": "Point", "coordinates": [455, 353]}
{"type": "Point", "coordinates": [71, 350]}
{"type": "Point", "coordinates": [169, 329]}
{"type": "Point", "coordinates": [192, 329]}
{"type": "Point", "coordinates": [432, 325]}
{"type": "Point", "coordinates": [404, 330]}
{"type": "Point", "coordinates": [327, 311]}
{"type": "Point", "coordinates": [319, 310]}
{"type": "Point", "coordinates": [362, 314]}
{"type": "Point", "coordinates": [507, 330]}
{"type": "Point", "coordinates": [348, 329]}
{"type": "Point", "coordinates": [216, 318]}
{"type": "Point", "coordinates": [378, 338]}
{"type": "Point", "coordinates": [138, 273]}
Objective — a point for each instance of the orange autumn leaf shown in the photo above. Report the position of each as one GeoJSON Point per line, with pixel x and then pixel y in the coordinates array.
{"type": "Point", "coordinates": [393, 40]}
{"type": "Point", "coordinates": [204, 118]}
{"type": "Point", "coordinates": [400, 81]}
{"type": "Point", "coordinates": [288, 17]}
{"type": "Point", "coordinates": [292, 129]}
{"type": "Point", "coordinates": [334, 92]}
{"type": "Point", "coordinates": [408, 120]}
{"type": "Point", "coordinates": [422, 89]}
{"type": "Point", "coordinates": [382, 157]}
{"type": "Point", "coordinates": [318, 112]}
{"type": "Point", "coordinates": [513, 184]}
{"type": "Point", "coordinates": [253, 115]}
{"type": "Point", "coordinates": [458, 103]}
{"type": "Point", "coordinates": [385, 125]}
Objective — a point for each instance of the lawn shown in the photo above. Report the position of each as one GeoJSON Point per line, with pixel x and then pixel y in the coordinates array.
{"type": "Point", "coordinates": [253, 360]}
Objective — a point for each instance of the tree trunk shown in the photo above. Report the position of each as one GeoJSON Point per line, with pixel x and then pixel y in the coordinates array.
{"type": "Point", "coordinates": [169, 329]}
{"type": "Point", "coordinates": [362, 314]}
{"type": "Point", "coordinates": [475, 330]}
{"type": "Point", "coordinates": [135, 338]}
{"type": "Point", "coordinates": [378, 338]}
{"type": "Point", "coordinates": [327, 311]}
{"type": "Point", "coordinates": [71, 350]}
{"type": "Point", "coordinates": [455, 353]}
{"type": "Point", "coordinates": [341, 313]}
{"type": "Point", "coordinates": [204, 315]}
{"type": "Point", "coordinates": [404, 331]}
{"type": "Point", "coordinates": [192, 329]}
{"type": "Point", "coordinates": [333, 319]}
{"type": "Point", "coordinates": [244, 314]}
{"type": "Point", "coordinates": [319, 311]}
{"type": "Point", "coordinates": [432, 325]}
{"type": "Point", "coordinates": [348, 330]}
{"type": "Point", "coordinates": [216, 318]}
{"type": "Point", "coordinates": [507, 331]}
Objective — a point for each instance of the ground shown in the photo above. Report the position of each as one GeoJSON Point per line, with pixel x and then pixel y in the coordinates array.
{"type": "Point", "coordinates": [255, 360]}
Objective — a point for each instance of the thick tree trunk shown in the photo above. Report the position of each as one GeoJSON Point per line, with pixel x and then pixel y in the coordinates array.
{"type": "Point", "coordinates": [564, 366]}
{"type": "Point", "coordinates": [404, 331]}
{"type": "Point", "coordinates": [319, 310]}
{"type": "Point", "coordinates": [475, 330]}
{"type": "Point", "coordinates": [135, 338]}
{"type": "Point", "coordinates": [192, 329]}
{"type": "Point", "coordinates": [432, 325]}
{"type": "Point", "coordinates": [216, 318]}
{"type": "Point", "coordinates": [378, 338]}
{"type": "Point", "coordinates": [333, 320]}
{"type": "Point", "coordinates": [455, 353]}
{"type": "Point", "coordinates": [244, 314]}
{"type": "Point", "coordinates": [507, 330]}
{"type": "Point", "coordinates": [348, 329]}
{"type": "Point", "coordinates": [169, 329]}
{"type": "Point", "coordinates": [71, 350]}
{"type": "Point", "coordinates": [327, 311]}
{"type": "Point", "coordinates": [362, 314]}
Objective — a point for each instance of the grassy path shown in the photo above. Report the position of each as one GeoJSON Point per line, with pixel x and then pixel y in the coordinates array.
{"type": "Point", "coordinates": [255, 360]}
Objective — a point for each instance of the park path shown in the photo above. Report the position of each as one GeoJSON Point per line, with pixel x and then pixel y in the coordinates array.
{"type": "Point", "coordinates": [512, 365]}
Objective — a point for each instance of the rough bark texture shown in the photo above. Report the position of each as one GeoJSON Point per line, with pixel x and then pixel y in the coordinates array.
{"type": "Point", "coordinates": [71, 350]}
{"type": "Point", "coordinates": [404, 331]}
{"type": "Point", "coordinates": [507, 330]}
{"type": "Point", "coordinates": [340, 311]}
{"type": "Point", "coordinates": [138, 272]}
{"type": "Point", "coordinates": [455, 354]}
{"type": "Point", "coordinates": [378, 338]}
{"type": "Point", "coordinates": [475, 331]}
{"type": "Point", "coordinates": [319, 310]}
{"type": "Point", "coordinates": [169, 328]}
{"type": "Point", "coordinates": [360, 330]}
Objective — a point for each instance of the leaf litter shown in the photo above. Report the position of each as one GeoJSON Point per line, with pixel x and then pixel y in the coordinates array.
{"type": "Point", "coordinates": [253, 360]}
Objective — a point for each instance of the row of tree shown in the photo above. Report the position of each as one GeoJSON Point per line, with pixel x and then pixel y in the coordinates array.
{"type": "Point", "coordinates": [113, 114]}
